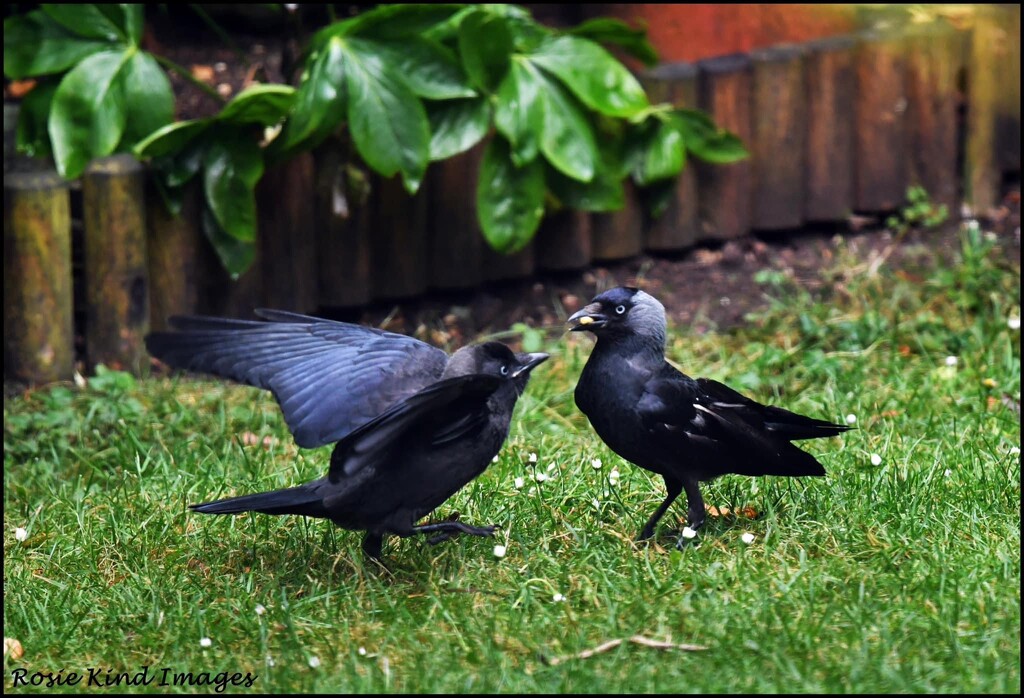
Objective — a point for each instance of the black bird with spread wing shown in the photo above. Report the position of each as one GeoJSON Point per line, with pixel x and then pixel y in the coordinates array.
{"type": "Point", "coordinates": [412, 425]}
{"type": "Point", "coordinates": [685, 429]}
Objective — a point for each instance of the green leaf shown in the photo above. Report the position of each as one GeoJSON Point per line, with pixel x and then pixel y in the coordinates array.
{"type": "Point", "coordinates": [509, 199]}
{"type": "Point", "coordinates": [86, 20]}
{"type": "Point", "coordinates": [519, 110]}
{"type": "Point", "coordinates": [567, 140]}
{"type": "Point", "coordinates": [133, 21]}
{"type": "Point", "coordinates": [170, 139]}
{"type": "Point", "coordinates": [259, 104]}
{"type": "Point", "coordinates": [236, 255]}
{"type": "Point", "coordinates": [602, 194]}
{"type": "Point", "coordinates": [593, 75]}
{"type": "Point", "coordinates": [35, 45]}
{"type": "Point", "coordinates": [388, 122]}
{"type": "Point", "coordinates": [613, 31]}
{"type": "Point", "coordinates": [319, 102]}
{"type": "Point", "coordinates": [722, 148]}
{"type": "Point", "coordinates": [401, 20]}
{"type": "Point", "coordinates": [87, 117]}
{"type": "Point", "coordinates": [232, 166]}
{"type": "Point", "coordinates": [149, 100]}
{"type": "Point", "coordinates": [485, 45]}
{"type": "Point", "coordinates": [429, 69]}
{"type": "Point", "coordinates": [663, 154]}
{"type": "Point", "coordinates": [33, 136]}
{"type": "Point", "coordinates": [457, 125]}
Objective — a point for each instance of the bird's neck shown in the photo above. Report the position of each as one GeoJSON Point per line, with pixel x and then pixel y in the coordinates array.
{"type": "Point", "coordinates": [643, 348]}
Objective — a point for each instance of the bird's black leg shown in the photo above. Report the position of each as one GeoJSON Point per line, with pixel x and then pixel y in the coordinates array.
{"type": "Point", "coordinates": [373, 544]}
{"type": "Point", "coordinates": [449, 529]}
{"type": "Point", "coordinates": [674, 487]}
{"type": "Point", "coordinates": [694, 509]}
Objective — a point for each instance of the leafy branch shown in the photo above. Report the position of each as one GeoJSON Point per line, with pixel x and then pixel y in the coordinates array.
{"type": "Point", "coordinates": [563, 122]}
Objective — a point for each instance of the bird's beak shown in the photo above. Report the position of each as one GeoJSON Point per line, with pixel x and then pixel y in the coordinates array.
{"type": "Point", "coordinates": [529, 361]}
{"type": "Point", "coordinates": [588, 318]}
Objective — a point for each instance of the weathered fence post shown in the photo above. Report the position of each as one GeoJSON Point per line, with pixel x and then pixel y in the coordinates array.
{"type": "Point", "coordinates": [678, 227]}
{"type": "Point", "coordinates": [116, 277]}
{"type": "Point", "coordinates": [1008, 114]}
{"type": "Point", "coordinates": [343, 217]}
{"type": "Point", "coordinates": [454, 238]}
{"type": "Point", "coordinates": [931, 111]}
{"type": "Point", "coordinates": [38, 339]}
{"type": "Point", "coordinates": [779, 139]}
{"type": "Point", "coordinates": [831, 102]}
{"type": "Point", "coordinates": [881, 118]}
{"type": "Point", "coordinates": [988, 58]}
{"type": "Point", "coordinates": [507, 267]}
{"type": "Point", "coordinates": [564, 240]}
{"type": "Point", "coordinates": [287, 236]}
{"type": "Point", "coordinates": [174, 246]}
{"type": "Point", "coordinates": [619, 234]}
{"type": "Point", "coordinates": [724, 191]}
{"type": "Point", "coordinates": [398, 244]}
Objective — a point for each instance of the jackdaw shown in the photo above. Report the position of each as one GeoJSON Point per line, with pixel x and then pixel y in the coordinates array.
{"type": "Point", "coordinates": [412, 424]}
{"type": "Point", "coordinates": [687, 430]}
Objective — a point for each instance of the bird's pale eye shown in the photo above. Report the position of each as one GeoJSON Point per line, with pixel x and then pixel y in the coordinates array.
{"type": "Point", "coordinates": [504, 370]}
{"type": "Point", "coordinates": [620, 310]}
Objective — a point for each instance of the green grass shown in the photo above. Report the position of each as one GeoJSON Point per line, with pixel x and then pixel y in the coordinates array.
{"type": "Point", "coordinates": [897, 577]}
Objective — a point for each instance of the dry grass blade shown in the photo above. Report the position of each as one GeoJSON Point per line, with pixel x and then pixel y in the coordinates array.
{"type": "Point", "coordinates": [612, 644]}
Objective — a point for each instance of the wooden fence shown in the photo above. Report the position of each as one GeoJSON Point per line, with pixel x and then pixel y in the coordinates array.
{"type": "Point", "coordinates": [835, 126]}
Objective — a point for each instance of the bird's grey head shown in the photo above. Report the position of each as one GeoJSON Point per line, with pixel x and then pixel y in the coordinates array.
{"type": "Point", "coordinates": [493, 359]}
{"type": "Point", "coordinates": [622, 311]}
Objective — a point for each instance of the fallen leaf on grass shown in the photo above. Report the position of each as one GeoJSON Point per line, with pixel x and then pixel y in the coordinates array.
{"type": "Point", "coordinates": [13, 648]}
{"type": "Point", "coordinates": [612, 644]}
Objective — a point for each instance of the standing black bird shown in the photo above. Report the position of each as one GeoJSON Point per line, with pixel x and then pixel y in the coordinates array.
{"type": "Point", "coordinates": [687, 430]}
{"type": "Point", "coordinates": [412, 425]}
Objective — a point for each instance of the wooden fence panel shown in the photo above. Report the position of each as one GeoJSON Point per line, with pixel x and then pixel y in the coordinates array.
{"type": "Point", "coordinates": [619, 234]}
{"type": "Point", "coordinates": [455, 241]}
{"type": "Point", "coordinates": [343, 218]}
{"type": "Point", "coordinates": [174, 246]}
{"type": "Point", "coordinates": [725, 191]}
{"type": "Point", "coordinates": [931, 153]}
{"type": "Point", "coordinates": [398, 240]}
{"type": "Point", "coordinates": [287, 236]}
{"type": "Point", "coordinates": [564, 240]}
{"type": "Point", "coordinates": [881, 122]}
{"type": "Point", "coordinates": [831, 104]}
{"type": "Point", "coordinates": [38, 333]}
{"type": "Point", "coordinates": [779, 137]}
{"type": "Point", "coordinates": [116, 277]}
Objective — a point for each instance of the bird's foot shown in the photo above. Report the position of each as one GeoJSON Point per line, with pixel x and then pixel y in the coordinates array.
{"type": "Point", "coordinates": [687, 537]}
{"type": "Point", "coordinates": [450, 529]}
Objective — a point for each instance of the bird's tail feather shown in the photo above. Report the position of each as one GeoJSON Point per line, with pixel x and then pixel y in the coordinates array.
{"type": "Point", "coordinates": [304, 500]}
{"type": "Point", "coordinates": [794, 427]}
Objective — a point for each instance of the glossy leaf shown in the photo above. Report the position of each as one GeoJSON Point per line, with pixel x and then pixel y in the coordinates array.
{"type": "Point", "coordinates": [236, 255]}
{"type": "Point", "coordinates": [86, 20]}
{"type": "Point", "coordinates": [401, 20]}
{"type": "Point", "coordinates": [519, 110]}
{"type": "Point", "coordinates": [36, 45]}
{"type": "Point", "coordinates": [566, 138]}
{"type": "Point", "coordinates": [170, 139]}
{"type": "Point", "coordinates": [232, 166]}
{"type": "Point", "coordinates": [721, 149]}
{"type": "Point", "coordinates": [602, 194]}
{"type": "Point", "coordinates": [149, 100]}
{"type": "Point", "coordinates": [485, 45]}
{"type": "Point", "coordinates": [388, 122]}
{"type": "Point", "coordinates": [430, 70]}
{"type": "Point", "coordinates": [259, 104]}
{"type": "Point", "coordinates": [593, 75]}
{"type": "Point", "coordinates": [456, 125]}
{"type": "Point", "coordinates": [87, 117]}
{"type": "Point", "coordinates": [613, 31]}
{"type": "Point", "coordinates": [663, 154]}
{"type": "Point", "coordinates": [509, 199]}
{"type": "Point", "coordinates": [32, 135]}
{"type": "Point", "coordinates": [319, 101]}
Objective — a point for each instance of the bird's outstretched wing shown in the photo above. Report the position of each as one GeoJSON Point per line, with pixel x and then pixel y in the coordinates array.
{"type": "Point", "coordinates": [447, 410]}
{"type": "Point", "coordinates": [709, 416]}
{"type": "Point", "coordinates": [328, 377]}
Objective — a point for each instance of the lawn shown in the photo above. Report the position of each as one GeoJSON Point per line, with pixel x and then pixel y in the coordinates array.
{"type": "Point", "coordinates": [898, 572]}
